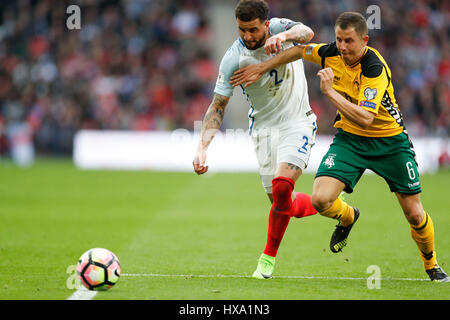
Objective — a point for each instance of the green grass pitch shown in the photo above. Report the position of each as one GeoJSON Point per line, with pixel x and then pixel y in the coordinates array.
{"type": "Point", "coordinates": [175, 233]}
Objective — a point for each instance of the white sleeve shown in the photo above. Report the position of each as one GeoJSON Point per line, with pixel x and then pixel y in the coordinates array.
{"type": "Point", "coordinates": [228, 65]}
{"type": "Point", "coordinates": [277, 25]}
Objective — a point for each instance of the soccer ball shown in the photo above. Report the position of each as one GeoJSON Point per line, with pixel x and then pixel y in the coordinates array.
{"type": "Point", "coordinates": [98, 269]}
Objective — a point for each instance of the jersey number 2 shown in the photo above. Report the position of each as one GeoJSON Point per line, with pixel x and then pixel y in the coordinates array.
{"type": "Point", "coordinates": [274, 73]}
{"type": "Point", "coordinates": [303, 148]}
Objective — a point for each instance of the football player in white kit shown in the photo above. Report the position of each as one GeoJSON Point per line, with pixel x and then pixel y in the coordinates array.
{"type": "Point", "coordinates": [282, 124]}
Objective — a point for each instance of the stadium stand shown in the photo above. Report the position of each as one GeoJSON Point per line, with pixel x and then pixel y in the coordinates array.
{"type": "Point", "coordinates": [147, 64]}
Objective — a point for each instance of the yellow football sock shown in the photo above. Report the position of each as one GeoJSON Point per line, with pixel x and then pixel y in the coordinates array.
{"type": "Point", "coordinates": [423, 235]}
{"type": "Point", "coordinates": [341, 211]}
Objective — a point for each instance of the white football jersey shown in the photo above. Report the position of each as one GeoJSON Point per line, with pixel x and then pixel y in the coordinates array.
{"type": "Point", "coordinates": [280, 98]}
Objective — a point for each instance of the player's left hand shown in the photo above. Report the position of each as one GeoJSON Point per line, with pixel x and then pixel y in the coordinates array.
{"type": "Point", "coordinates": [326, 79]}
{"type": "Point", "coordinates": [246, 76]}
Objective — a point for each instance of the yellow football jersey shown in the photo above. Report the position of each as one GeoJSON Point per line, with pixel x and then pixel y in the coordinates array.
{"type": "Point", "coordinates": [366, 83]}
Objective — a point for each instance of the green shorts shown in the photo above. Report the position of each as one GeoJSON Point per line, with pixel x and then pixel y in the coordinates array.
{"type": "Point", "coordinates": [390, 157]}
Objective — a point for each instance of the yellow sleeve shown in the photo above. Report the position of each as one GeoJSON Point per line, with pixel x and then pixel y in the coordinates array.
{"type": "Point", "coordinates": [311, 53]}
{"type": "Point", "coordinates": [372, 89]}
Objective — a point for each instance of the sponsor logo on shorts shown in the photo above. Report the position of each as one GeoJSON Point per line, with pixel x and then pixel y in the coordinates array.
{"type": "Point", "coordinates": [415, 184]}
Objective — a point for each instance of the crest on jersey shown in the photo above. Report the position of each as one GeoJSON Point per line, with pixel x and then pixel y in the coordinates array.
{"type": "Point", "coordinates": [329, 161]}
{"type": "Point", "coordinates": [370, 93]}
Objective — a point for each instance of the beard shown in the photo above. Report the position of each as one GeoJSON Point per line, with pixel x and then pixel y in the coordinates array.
{"type": "Point", "coordinates": [255, 44]}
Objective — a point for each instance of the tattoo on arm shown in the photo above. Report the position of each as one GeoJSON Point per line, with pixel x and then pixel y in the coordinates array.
{"type": "Point", "coordinates": [300, 33]}
{"type": "Point", "coordinates": [214, 115]}
{"type": "Point", "coordinates": [213, 118]}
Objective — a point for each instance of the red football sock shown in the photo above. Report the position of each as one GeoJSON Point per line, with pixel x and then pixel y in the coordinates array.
{"type": "Point", "coordinates": [278, 223]}
{"type": "Point", "coordinates": [282, 189]}
{"type": "Point", "coordinates": [302, 206]}
{"type": "Point", "coordinates": [280, 213]}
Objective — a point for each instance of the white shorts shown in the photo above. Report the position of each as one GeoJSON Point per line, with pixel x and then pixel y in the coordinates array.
{"type": "Point", "coordinates": [276, 145]}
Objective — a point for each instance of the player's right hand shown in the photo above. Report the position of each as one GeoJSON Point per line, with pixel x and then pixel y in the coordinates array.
{"type": "Point", "coordinates": [326, 79]}
{"type": "Point", "coordinates": [199, 161]}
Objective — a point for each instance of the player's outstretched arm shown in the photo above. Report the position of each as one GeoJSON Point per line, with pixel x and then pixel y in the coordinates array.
{"type": "Point", "coordinates": [211, 123]}
{"type": "Point", "coordinates": [252, 73]}
{"type": "Point", "coordinates": [299, 33]}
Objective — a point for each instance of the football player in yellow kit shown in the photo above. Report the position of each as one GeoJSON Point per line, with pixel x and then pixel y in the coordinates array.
{"type": "Point", "coordinates": [371, 133]}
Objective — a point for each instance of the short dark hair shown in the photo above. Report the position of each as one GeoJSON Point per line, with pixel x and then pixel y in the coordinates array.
{"type": "Point", "coordinates": [352, 19]}
{"type": "Point", "coordinates": [248, 10]}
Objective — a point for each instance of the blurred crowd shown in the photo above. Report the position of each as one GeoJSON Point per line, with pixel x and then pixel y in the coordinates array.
{"type": "Point", "coordinates": [148, 65]}
{"type": "Point", "coordinates": [134, 64]}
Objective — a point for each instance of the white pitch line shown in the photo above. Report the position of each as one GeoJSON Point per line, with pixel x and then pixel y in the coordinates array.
{"type": "Point", "coordinates": [248, 276]}
{"type": "Point", "coordinates": [83, 294]}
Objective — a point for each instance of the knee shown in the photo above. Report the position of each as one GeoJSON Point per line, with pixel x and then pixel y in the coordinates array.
{"type": "Point", "coordinates": [281, 192]}
{"type": "Point", "coordinates": [321, 202]}
{"type": "Point", "coordinates": [414, 217]}
{"type": "Point", "coordinates": [412, 208]}
{"type": "Point", "coordinates": [282, 187]}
